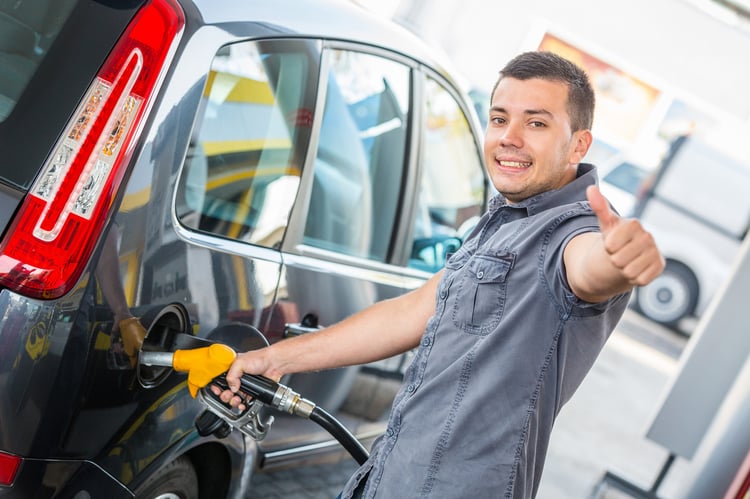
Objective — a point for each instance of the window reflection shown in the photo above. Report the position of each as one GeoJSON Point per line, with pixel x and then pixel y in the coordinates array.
{"type": "Point", "coordinates": [361, 156]}
{"type": "Point", "coordinates": [453, 184]}
{"type": "Point", "coordinates": [243, 167]}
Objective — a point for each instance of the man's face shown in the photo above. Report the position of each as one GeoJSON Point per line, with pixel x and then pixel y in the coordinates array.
{"type": "Point", "coordinates": [529, 147]}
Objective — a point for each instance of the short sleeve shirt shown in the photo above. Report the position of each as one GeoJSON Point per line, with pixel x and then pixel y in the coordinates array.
{"type": "Point", "coordinates": [507, 346]}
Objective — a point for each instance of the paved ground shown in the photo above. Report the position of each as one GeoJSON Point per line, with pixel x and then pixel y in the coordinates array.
{"type": "Point", "coordinates": [311, 482]}
{"type": "Point", "coordinates": [600, 430]}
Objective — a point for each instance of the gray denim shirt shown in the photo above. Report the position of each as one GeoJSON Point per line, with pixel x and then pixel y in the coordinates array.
{"type": "Point", "coordinates": [507, 346]}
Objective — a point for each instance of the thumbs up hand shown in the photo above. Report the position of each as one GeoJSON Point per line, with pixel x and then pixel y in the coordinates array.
{"type": "Point", "coordinates": [621, 256]}
{"type": "Point", "coordinates": [630, 247]}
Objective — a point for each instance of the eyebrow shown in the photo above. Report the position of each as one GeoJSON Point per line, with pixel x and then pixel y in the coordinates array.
{"type": "Point", "coordinates": [528, 112]}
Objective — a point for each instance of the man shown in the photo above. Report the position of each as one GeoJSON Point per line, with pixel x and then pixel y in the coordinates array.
{"type": "Point", "coordinates": [507, 331]}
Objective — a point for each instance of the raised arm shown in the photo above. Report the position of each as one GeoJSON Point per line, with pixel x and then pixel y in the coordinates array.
{"type": "Point", "coordinates": [623, 255]}
{"type": "Point", "coordinates": [384, 329]}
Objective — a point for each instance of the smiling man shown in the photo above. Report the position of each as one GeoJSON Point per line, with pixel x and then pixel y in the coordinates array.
{"type": "Point", "coordinates": [507, 331]}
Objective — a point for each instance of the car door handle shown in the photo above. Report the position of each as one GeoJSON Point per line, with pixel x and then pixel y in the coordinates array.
{"type": "Point", "coordinates": [291, 330]}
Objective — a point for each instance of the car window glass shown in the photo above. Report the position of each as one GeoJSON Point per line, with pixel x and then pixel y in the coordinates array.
{"type": "Point", "coordinates": [627, 177]}
{"type": "Point", "coordinates": [452, 188]}
{"type": "Point", "coordinates": [27, 30]}
{"type": "Point", "coordinates": [361, 156]}
{"type": "Point", "coordinates": [243, 167]}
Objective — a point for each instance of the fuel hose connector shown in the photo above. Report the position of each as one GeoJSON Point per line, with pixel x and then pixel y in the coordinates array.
{"type": "Point", "coordinates": [276, 395]}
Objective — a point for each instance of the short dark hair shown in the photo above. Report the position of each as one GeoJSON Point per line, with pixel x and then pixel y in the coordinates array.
{"type": "Point", "coordinates": [552, 67]}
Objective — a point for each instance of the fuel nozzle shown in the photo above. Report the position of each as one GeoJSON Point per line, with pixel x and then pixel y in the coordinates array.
{"type": "Point", "coordinates": [202, 364]}
{"type": "Point", "coordinates": [209, 364]}
{"type": "Point", "coordinates": [206, 365]}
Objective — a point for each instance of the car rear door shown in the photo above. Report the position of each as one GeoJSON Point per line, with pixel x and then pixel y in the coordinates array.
{"type": "Point", "coordinates": [393, 177]}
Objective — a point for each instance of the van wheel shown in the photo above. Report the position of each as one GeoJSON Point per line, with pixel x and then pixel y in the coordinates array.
{"type": "Point", "coordinates": [670, 297]}
{"type": "Point", "coordinates": [176, 480]}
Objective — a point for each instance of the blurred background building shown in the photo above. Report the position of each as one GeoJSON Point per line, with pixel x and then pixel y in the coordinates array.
{"type": "Point", "coordinates": [661, 68]}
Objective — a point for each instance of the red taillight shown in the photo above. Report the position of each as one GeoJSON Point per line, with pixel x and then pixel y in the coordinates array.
{"type": "Point", "coordinates": [58, 224]}
{"type": "Point", "coordinates": [9, 465]}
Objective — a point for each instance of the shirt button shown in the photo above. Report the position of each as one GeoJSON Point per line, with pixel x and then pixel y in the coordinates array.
{"type": "Point", "coordinates": [443, 294]}
{"type": "Point", "coordinates": [410, 388]}
{"type": "Point", "coordinates": [389, 432]}
{"type": "Point", "coordinates": [426, 342]}
{"type": "Point", "coordinates": [480, 274]}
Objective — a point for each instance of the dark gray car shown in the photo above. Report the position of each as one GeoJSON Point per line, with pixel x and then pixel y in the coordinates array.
{"type": "Point", "coordinates": [206, 169]}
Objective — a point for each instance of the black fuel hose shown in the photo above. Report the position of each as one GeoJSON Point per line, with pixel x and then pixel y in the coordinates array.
{"type": "Point", "coordinates": [285, 399]}
{"type": "Point", "coordinates": [340, 433]}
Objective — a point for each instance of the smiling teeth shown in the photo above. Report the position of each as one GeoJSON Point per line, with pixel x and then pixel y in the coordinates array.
{"type": "Point", "coordinates": [514, 164]}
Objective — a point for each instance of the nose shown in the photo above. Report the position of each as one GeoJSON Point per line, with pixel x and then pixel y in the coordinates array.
{"type": "Point", "coordinates": [510, 135]}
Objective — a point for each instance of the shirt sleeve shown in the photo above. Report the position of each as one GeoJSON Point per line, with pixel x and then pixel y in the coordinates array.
{"type": "Point", "coordinates": [558, 238]}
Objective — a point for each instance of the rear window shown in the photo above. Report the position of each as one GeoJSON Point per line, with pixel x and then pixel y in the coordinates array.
{"type": "Point", "coordinates": [243, 166]}
{"type": "Point", "coordinates": [50, 51]}
{"type": "Point", "coordinates": [27, 30]}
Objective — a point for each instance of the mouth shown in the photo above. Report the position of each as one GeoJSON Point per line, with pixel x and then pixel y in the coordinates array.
{"type": "Point", "coordinates": [516, 165]}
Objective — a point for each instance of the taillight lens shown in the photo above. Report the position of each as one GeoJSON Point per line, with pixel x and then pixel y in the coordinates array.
{"type": "Point", "coordinates": [56, 229]}
{"type": "Point", "coordinates": [9, 465]}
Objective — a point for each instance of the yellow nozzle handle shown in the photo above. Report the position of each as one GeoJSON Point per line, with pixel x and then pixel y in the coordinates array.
{"type": "Point", "coordinates": [203, 364]}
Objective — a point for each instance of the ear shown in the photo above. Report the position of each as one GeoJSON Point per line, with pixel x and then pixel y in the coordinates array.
{"type": "Point", "coordinates": [581, 142]}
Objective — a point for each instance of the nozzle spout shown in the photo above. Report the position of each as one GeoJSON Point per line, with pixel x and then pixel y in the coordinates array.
{"type": "Point", "coordinates": [162, 359]}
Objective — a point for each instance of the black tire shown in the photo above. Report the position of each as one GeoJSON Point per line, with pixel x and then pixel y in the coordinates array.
{"type": "Point", "coordinates": [176, 480]}
{"type": "Point", "coordinates": [670, 297]}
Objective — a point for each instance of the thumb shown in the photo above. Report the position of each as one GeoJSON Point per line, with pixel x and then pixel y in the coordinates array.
{"type": "Point", "coordinates": [607, 218]}
{"type": "Point", "coordinates": [233, 376]}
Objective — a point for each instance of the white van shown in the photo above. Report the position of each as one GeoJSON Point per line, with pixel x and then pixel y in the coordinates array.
{"type": "Point", "coordinates": [698, 209]}
{"type": "Point", "coordinates": [622, 183]}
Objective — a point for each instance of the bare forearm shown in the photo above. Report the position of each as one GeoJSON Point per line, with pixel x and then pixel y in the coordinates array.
{"type": "Point", "coordinates": [380, 331]}
{"type": "Point", "coordinates": [593, 277]}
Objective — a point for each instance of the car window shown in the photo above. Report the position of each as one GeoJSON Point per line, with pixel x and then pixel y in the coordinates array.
{"type": "Point", "coordinates": [627, 177]}
{"type": "Point", "coordinates": [452, 187]}
{"type": "Point", "coordinates": [27, 30]}
{"type": "Point", "coordinates": [242, 170]}
{"type": "Point", "coordinates": [361, 156]}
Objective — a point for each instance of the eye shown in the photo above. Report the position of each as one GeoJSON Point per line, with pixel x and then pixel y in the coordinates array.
{"type": "Point", "coordinates": [537, 124]}
{"type": "Point", "coordinates": [497, 120]}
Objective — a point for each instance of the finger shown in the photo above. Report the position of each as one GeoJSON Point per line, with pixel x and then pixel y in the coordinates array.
{"type": "Point", "coordinates": [630, 242]}
{"type": "Point", "coordinates": [645, 268]}
{"type": "Point", "coordinates": [229, 398]}
{"type": "Point", "coordinates": [607, 218]}
{"type": "Point", "coordinates": [239, 404]}
{"type": "Point", "coordinates": [627, 242]}
{"type": "Point", "coordinates": [234, 374]}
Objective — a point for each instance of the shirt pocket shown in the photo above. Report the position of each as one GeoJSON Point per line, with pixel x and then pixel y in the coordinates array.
{"type": "Point", "coordinates": [479, 300]}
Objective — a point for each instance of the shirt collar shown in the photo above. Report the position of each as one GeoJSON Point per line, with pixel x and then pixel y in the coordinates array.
{"type": "Point", "coordinates": [570, 193]}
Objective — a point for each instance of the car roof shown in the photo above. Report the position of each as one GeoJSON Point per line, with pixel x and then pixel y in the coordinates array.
{"type": "Point", "coordinates": [330, 19]}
